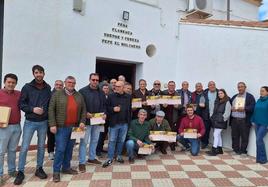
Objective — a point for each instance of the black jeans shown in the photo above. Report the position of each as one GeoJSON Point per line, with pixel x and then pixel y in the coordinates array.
{"type": "Point", "coordinates": [205, 138]}
{"type": "Point", "coordinates": [240, 134]}
{"type": "Point", "coordinates": [102, 138]}
{"type": "Point", "coordinates": [50, 141]}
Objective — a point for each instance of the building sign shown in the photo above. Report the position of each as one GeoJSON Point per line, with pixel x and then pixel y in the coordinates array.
{"type": "Point", "coordinates": [121, 36]}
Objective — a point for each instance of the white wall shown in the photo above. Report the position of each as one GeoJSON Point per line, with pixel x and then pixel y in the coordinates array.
{"type": "Point", "coordinates": [225, 55]}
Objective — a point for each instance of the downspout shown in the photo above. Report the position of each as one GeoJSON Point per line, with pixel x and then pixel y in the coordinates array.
{"type": "Point", "coordinates": [1, 38]}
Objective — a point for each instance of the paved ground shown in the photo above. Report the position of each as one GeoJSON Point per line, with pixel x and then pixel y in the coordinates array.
{"type": "Point", "coordinates": [174, 169]}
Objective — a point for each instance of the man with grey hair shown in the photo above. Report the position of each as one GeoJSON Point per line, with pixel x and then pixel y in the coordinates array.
{"type": "Point", "coordinates": [138, 134]}
{"type": "Point", "coordinates": [122, 78]}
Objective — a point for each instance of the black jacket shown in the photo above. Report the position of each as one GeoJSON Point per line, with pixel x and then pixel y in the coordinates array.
{"type": "Point", "coordinates": [95, 100]}
{"type": "Point", "coordinates": [217, 119]}
{"type": "Point", "coordinates": [122, 100]}
{"type": "Point", "coordinates": [249, 108]}
{"type": "Point", "coordinates": [32, 97]}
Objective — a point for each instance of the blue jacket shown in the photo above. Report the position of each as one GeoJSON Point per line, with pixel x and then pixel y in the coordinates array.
{"type": "Point", "coordinates": [32, 97]}
{"type": "Point", "coordinates": [260, 114]}
{"type": "Point", "coordinates": [249, 106]}
{"type": "Point", "coordinates": [182, 108]}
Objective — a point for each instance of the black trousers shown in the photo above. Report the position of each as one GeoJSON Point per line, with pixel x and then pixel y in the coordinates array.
{"type": "Point", "coordinates": [205, 138]}
{"type": "Point", "coordinates": [240, 134]}
{"type": "Point", "coordinates": [50, 141]}
{"type": "Point", "coordinates": [102, 138]}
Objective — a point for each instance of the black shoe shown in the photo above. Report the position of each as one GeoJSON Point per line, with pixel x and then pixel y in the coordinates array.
{"type": "Point", "coordinates": [56, 177]}
{"type": "Point", "coordinates": [120, 160]}
{"type": "Point", "coordinates": [219, 150]}
{"type": "Point", "coordinates": [107, 163]}
{"type": "Point", "coordinates": [131, 160]}
{"type": "Point", "coordinates": [19, 179]}
{"type": "Point", "coordinates": [163, 151]}
{"type": "Point", "coordinates": [172, 147]}
{"type": "Point", "coordinates": [40, 173]}
{"type": "Point", "coordinates": [212, 152]}
{"type": "Point", "coordinates": [204, 146]}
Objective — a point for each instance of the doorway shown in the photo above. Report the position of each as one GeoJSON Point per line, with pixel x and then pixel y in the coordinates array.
{"type": "Point", "coordinates": [110, 69]}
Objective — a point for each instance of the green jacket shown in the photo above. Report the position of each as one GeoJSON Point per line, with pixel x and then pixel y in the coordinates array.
{"type": "Point", "coordinates": [140, 132]}
{"type": "Point", "coordinates": [163, 127]}
{"type": "Point", "coordinates": [58, 105]}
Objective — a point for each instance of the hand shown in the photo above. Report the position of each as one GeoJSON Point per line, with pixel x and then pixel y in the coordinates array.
{"type": "Point", "coordinates": [182, 134]}
{"type": "Point", "coordinates": [176, 106]}
{"type": "Point", "coordinates": [144, 103]}
{"type": "Point", "coordinates": [117, 109]}
{"type": "Point", "coordinates": [82, 126]}
{"type": "Point", "coordinates": [140, 143]}
{"type": "Point", "coordinates": [53, 129]}
{"type": "Point", "coordinates": [241, 109]}
{"type": "Point", "coordinates": [202, 105]}
{"type": "Point", "coordinates": [89, 115]}
{"type": "Point", "coordinates": [165, 105]}
{"type": "Point", "coordinates": [198, 135]}
{"type": "Point", "coordinates": [233, 109]}
{"type": "Point", "coordinates": [153, 149]}
{"type": "Point", "coordinates": [2, 124]}
{"type": "Point", "coordinates": [38, 110]}
{"type": "Point", "coordinates": [104, 116]}
{"type": "Point", "coordinates": [153, 106]}
{"type": "Point", "coordinates": [150, 137]}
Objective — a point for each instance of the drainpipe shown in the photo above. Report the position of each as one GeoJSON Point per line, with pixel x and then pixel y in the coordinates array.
{"type": "Point", "coordinates": [228, 10]}
{"type": "Point", "coordinates": [1, 38]}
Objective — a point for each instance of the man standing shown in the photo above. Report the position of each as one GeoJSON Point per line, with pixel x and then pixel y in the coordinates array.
{"type": "Point", "coordinates": [211, 94]}
{"type": "Point", "coordinates": [58, 85]}
{"type": "Point", "coordinates": [119, 112]}
{"type": "Point", "coordinates": [66, 110]}
{"type": "Point", "coordinates": [171, 111]}
{"type": "Point", "coordinates": [128, 88]}
{"type": "Point", "coordinates": [160, 124]}
{"type": "Point", "coordinates": [10, 136]}
{"type": "Point", "coordinates": [34, 101]}
{"type": "Point", "coordinates": [156, 91]}
{"type": "Point", "coordinates": [185, 95]}
{"type": "Point", "coordinates": [138, 134]}
{"type": "Point", "coordinates": [95, 103]}
{"type": "Point", "coordinates": [112, 85]}
{"type": "Point", "coordinates": [240, 119]}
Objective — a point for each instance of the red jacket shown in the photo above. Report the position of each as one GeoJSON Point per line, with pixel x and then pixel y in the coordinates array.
{"type": "Point", "coordinates": [195, 123]}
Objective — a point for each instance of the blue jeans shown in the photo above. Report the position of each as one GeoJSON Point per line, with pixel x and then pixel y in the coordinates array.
{"type": "Point", "coordinates": [64, 149]}
{"type": "Point", "coordinates": [28, 131]}
{"type": "Point", "coordinates": [91, 138]}
{"type": "Point", "coordinates": [132, 147]}
{"type": "Point", "coordinates": [261, 131]}
{"type": "Point", "coordinates": [117, 137]}
{"type": "Point", "coordinates": [9, 140]}
{"type": "Point", "coordinates": [194, 144]}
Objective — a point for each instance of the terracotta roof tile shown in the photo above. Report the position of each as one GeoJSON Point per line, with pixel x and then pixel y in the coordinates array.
{"type": "Point", "coordinates": [228, 23]}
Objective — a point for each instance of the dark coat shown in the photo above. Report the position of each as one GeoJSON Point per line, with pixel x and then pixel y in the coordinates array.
{"type": "Point", "coordinates": [217, 119]}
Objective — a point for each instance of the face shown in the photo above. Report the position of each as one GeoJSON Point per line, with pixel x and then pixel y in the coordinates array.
{"type": "Point", "coordinates": [157, 85]}
{"type": "Point", "coordinates": [159, 119]}
{"type": "Point", "coordinates": [112, 82]}
{"type": "Point", "coordinates": [119, 87]}
{"type": "Point", "coordinates": [10, 84]}
{"type": "Point", "coordinates": [142, 116]}
{"type": "Point", "coordinates": [199, 87]}
{"type": "Point", "coordinates": [263, 92]}
{"type": "Point", "coordinates": [105, 89]}
{"type": "Point", "coordinates": [121, 78]}
{"type": "Point", "coordinates": [190, 111]}
{"type": "Point", "coordinates": [38, 75]}
{"type": "Point", "coordinates": [212, 86]}
{"type": "Point", "coordinates": [241, 88]}
{"type": "Point", "coordinates": [94, 81]}
{"type": "Point", "coordinates": [58, 85]}
{"type": "Point", "coordinates": [70, 84]}
{"type": "Point", "coordinates": [221, 94]}
{"type": "Point", "coordinates": [171, 87]}
{"type": "Point", "coordinates": [185, 85]}
{"type": "Point", "coordinates": [128, 89]}
{"type": "Point", "coordinates": [142, 85]}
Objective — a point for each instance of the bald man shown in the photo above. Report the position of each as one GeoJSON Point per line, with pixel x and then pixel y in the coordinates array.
{"type": "Point", "coordinates": [119, 111]}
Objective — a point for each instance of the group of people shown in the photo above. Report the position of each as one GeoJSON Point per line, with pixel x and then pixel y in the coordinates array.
{"type": "Point", "coordinates": [54, 114]}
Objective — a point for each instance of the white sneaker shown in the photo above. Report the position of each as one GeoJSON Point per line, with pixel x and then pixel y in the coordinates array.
{"type": "Point", "coordinates": [51, 156]}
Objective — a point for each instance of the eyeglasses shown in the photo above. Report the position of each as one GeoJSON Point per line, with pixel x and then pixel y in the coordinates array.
{"type": "Point", "coordinates": [157, 84]}
{"type": "Point", "coordinates": [95, 80]}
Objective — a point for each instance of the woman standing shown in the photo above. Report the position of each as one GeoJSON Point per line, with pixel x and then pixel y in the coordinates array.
{"type": "Point", "coordinates": [219, 118]}
{"type": "Point", "coordinates": [260, 120]}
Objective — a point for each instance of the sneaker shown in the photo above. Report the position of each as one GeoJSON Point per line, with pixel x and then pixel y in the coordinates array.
{"type": "Point", "coordinates": [19, 179]}
{"type": "Point", "coordinates": [120, 160]}
{"type": "Point", "coordinates": [131, 160]}
{"type": "Point", "coordinates": [82, 168]}
{"type": "Point", "coordinates": [56, 177]}
{"type": "Point", "coordinates": [107, 163]}
{"type": "Point", "coordinates": [163, 151]}
{"type": "Point", "coordinates": [13, 174]}
{"type": "Point", "coordinates": [69, 171]}
{"type": "Point", "coordinates": [40, 173]}
{"type": "Point", "coordinates": [95, 161]}
{"type": "Point", "coordinates": [51, 156]}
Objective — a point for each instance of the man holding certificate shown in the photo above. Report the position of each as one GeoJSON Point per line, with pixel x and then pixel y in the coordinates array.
{"type": "Point", "coordinates": [159, 124]}
{"type": "Point", "coordinates": [10, 129]}
{"type": "Point", "coordinates": [191, 130]}
{"type": "Point", "coordinates": [243, 105]}
{"type": "Point", "coordinates": [96, 114]}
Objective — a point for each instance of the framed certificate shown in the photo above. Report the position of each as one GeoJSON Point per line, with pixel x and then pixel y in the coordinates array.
{"type": "Point", "coordinates": [174, 100]}
{"type": "Point", "coordinates": [147, 149]}
{"type": "Point", "coordinates": [97, 119]}
{"type": "Point", "coordinates": [4, 116]}
{"type": "Point", "coordinates": [136, 103]}
{"type": "Point", "coordinates": [77, 134]}
{"type": "Point", "coordinates": [153, 100]}
{"type": "Point", "coordinates": [239, 102]}
{"type": "Point", "coordinates": [190, 133]}
{"type": "Point", "coordinates": [164, 99]}
{"type": "Point", "coordinates": [163, 136]}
